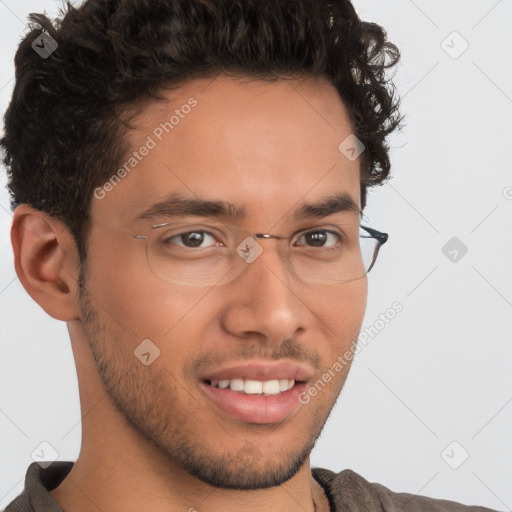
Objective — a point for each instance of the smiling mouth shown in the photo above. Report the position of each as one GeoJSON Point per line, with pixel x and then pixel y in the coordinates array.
{"type": "Point", "coordinates": [254, 387]}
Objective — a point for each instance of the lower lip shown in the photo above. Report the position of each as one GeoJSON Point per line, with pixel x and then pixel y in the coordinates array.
{"type": "Point", "coordinates": [260, 409]}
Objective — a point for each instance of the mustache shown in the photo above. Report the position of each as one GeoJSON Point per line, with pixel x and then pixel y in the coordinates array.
{"type": "Point", "coordinates": [288, 349]}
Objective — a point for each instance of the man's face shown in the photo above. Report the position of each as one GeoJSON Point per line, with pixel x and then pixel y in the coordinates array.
{"type": "Point", "coordinates": [268, 147]}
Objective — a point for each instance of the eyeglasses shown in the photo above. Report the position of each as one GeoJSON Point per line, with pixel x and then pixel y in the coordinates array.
{"type": "Point", "coordinates": [205, 255]}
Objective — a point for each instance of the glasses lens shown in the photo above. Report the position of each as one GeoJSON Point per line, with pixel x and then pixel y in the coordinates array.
{"type": "Point", "coordinates": [350, 258]}
{"type": "Point", "coordinates": [190, 254]}
{"type": "Point", "coordinates": [205, 255]}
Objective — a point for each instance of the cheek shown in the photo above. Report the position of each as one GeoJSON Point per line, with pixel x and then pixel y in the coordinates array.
{"type": "Point", "coordinates": [343, 304]}
{"type": "Point", "coordinates": [155, 310]}
{"type": "Point", "coordinates": [135, 302]}
{"type": "Point", "coordinates": [137, 311]}
{"type": "Point", "coordinates": [341, 315]}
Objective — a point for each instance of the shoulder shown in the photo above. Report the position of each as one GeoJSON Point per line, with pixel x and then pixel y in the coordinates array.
{"type": "Point", "coordinates": [348, 490]}
{"type": "Point", "coordinates": [39, 481]}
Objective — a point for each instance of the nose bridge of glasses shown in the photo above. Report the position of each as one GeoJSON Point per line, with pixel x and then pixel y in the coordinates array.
{"type": "Point", "coordinates": [267, 235]}
{"type": "Point", "coordinates": [280, 245]}
{"type": "Point", "coordinates": [250, 245]}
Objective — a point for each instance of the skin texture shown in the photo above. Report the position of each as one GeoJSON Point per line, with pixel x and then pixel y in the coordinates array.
{"type": "Point", "coordinates": [150, 437]}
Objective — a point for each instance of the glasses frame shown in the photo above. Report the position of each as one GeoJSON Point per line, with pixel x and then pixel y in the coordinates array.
{"type": "Point", "coordinates": [381, 238]}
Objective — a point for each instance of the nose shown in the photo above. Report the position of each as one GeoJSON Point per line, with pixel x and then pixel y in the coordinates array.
{"type": "Point", "coordinates": [266, 299]}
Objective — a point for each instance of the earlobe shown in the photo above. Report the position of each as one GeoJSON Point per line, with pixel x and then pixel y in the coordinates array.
{"type": "Point", "coordinates": [46, 261]}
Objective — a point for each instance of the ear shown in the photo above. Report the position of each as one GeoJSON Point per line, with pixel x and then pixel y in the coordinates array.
{"type": "Point", "coordinates": [46, 261]}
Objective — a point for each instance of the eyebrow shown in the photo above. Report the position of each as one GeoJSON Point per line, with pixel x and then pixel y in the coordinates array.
{"type": "Point", "coordinates": [176, 205]}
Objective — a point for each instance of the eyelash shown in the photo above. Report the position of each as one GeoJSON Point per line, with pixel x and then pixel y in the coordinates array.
{"type": "Point", "coordinates": [302, 233]}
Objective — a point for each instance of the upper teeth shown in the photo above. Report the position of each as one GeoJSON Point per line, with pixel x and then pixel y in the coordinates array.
{"type": "Point", "coordinates": [255, 387]}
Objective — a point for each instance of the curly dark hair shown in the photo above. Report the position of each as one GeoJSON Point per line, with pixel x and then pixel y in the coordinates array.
{"type": "Point", "coordinates": [64, 132]}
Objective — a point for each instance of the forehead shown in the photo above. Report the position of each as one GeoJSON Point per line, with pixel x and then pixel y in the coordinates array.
{"type": "Point", "coordinates": [265, 145]}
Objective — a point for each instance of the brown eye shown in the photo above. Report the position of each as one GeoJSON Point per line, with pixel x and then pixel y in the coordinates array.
{"type": "Point", "coordinates": [190, 239]}
{"type": "Point", "coordinates": [320, 237]}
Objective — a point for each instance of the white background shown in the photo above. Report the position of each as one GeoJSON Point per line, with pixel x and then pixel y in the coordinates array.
{"type": "Point", "coordinates": [440, 371]}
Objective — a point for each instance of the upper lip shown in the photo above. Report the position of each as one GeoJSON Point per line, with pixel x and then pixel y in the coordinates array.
{"type": "Point", "coordinates": [263, 371]}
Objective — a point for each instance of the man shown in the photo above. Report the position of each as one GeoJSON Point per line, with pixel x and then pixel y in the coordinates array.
{"type": "Point", "coordinates": [188, 181]}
